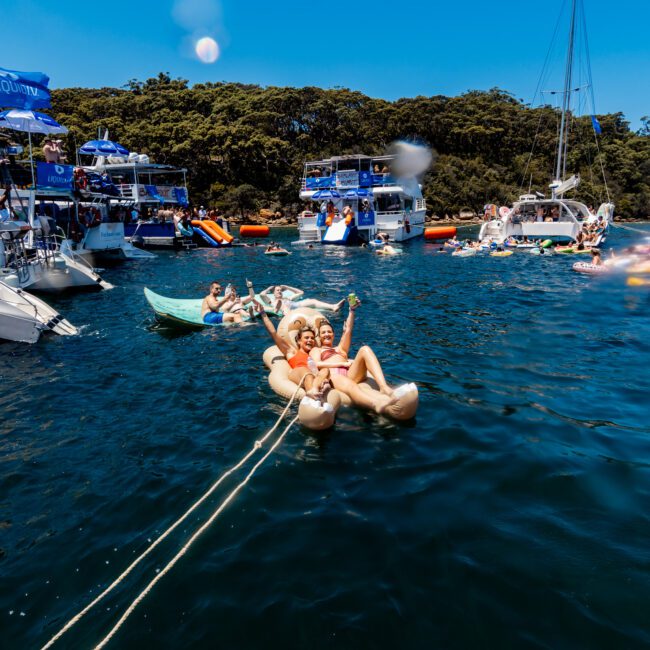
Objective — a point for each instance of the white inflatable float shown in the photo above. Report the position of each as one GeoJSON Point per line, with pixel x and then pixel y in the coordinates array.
{"type": "Point", "coordinates": [312, 414]}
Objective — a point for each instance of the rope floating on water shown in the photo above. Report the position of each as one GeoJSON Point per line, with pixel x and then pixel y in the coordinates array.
{"type": "Point", "coordinates": [257, 445]}
{"type": "Point", "coordinates": [620, 225]}
{"type": "Point", "coordinates": [192, 539]}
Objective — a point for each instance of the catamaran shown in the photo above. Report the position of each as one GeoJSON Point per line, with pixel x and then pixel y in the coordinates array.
{"type": "Point", "coordinates": [534, 216]}
{"type": "Point", "coordinates": [353, 198]}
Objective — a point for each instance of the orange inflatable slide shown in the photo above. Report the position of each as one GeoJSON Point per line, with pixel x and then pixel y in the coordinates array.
{"type": "Point", "coordinates": [213, 230]}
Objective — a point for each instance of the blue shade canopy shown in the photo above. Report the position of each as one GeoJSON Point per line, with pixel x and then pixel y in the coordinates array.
{"type": "Point", "coordinates": [30, 122]}
{"type": "Point", "coordinates": [24, 90]}
{"type": "Point", "coordinates": [358, 193]}
{"type": "Point", "coordinates": [103, 148]}
{"type": "Point", "coordinates": [326, 194]}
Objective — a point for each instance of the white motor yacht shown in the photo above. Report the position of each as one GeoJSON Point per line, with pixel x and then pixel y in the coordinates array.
{"type": "Point", "coordinates": [24, 317]}
{"type": "Point", "coordinates": [358, 197]}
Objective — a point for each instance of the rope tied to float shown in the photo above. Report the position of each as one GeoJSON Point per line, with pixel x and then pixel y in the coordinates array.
{"type": "Point", "coordinates": [257, 445]}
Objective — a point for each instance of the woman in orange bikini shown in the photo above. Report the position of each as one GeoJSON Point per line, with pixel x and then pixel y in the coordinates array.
{"type": "Point", "coordinates": [345, 375]}
{"type": "Point", "coordinates": [316, 381]}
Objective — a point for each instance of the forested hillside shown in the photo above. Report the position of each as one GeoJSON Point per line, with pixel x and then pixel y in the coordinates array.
{"type": "Point", "coordinates": [244, 145]}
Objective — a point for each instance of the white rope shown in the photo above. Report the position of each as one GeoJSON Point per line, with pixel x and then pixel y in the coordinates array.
{"type": "Point", "coordinates": [192, 539]}
{"type": "Point", "coordinates": [620, 225]}
{"type": "Point", "coordinates": [258, 443]}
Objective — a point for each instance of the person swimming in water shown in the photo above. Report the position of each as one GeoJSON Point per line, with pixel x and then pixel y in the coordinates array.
{"type": "Point", "coordinates": [346, 374]}
{"type": "Point", "coordinates": [282, 305]}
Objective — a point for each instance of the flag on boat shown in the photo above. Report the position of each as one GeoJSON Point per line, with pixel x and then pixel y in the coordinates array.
{"type": "Point", "coordinates": [24, 90]}
{"type": "Point", "coordinates": [596, 124]}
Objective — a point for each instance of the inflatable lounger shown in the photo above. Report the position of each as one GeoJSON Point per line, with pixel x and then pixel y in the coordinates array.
{"type": "Point", "coordinates": [312, 414]}
{"type": "Point", "coordinates": [187, 311]}
{"type": "Point", "coordinates": [592, 269]}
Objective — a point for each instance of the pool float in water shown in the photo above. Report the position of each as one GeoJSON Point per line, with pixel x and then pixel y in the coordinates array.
{"type": "Point", "coordinates": [464, 252]}
{"type": "Point", "coordinates": [254, 231]}
{"type": "Point", "coordinates": [187, 311]}
{"type": "Point", "coordinates": [638, 282]}
{"type": "Point", "coordinates": [439, 232]}
{"type": "Point", "coordinates": [591, 269]}
{"type": "Point", "coordinates": [501, 254]}
{"type": "Point", "coordinates": [280, 252]}
{"type": "Point", "coordinates": [311, 413]}
{"type": "Point", "coordinates": [389, 251]}
{"type": "Point", "coordinates": [526, 245]}
{"type": "Point", "coordinates": [547, 243]}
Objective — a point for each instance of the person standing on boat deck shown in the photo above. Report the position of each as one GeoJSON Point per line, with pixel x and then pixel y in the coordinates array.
{"type": "Point", "coordinates": [202, 213]}
{"type": "Point", "coordinates": [52, 151]}
{"type": "Point", "coordinates": [211, 305]}
{"type": "Point", "coordinates": [5, 206]}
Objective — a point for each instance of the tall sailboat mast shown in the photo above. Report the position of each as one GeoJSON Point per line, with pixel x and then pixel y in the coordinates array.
{"type": "Point", "coordinates": [560, 169]}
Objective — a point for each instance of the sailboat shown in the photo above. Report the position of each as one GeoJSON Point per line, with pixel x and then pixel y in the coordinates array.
{"type": "Point", "coordinates": [558, 218]}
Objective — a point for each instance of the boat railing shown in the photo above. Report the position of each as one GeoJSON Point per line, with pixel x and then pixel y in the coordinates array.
{"type": "Point", "coordinates": [142, 192]}
{"type": "Point", "coordinates": [345, 180]}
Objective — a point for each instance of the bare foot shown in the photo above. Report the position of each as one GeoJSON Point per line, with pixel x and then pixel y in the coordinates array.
{"type": "Point", "coordinates": [388, 401]}
{"type": "Point", "coordinates": [338, 305]}
{"type": "Point", "coordinates": [387, 390]}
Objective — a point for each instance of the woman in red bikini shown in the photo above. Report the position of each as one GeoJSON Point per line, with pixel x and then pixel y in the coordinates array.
{"type": "Point", "coordinates": [316, 381]}
{"type": "Point", "coordinates": [345, 375]}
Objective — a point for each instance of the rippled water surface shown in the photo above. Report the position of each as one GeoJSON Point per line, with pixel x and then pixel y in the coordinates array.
{"type": "Point", "coordinates": [512, 512]}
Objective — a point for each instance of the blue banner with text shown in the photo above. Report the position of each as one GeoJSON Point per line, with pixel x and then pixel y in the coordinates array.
{"type": "Point", "coordinates": [52, 175]}
{"type": "Point", "coordinates": [24, 90]}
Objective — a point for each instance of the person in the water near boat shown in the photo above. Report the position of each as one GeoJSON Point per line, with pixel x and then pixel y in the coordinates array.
{"type": "Point", "coordinates": [229, 309]}
{"type": "Point", "coordinates": [284, 305]}
{"type": "Point", "coordinates": [596, 259]}
{"type": "Point", "coordinates": [211, 305]}
{"type": "Point", "coordinates": [346, 374]}
{"type": "Point", "coordinates": [316, 381]}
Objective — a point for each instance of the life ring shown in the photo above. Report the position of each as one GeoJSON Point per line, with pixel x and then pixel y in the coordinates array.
{"type": "Point", "coordinates": [80, 178]}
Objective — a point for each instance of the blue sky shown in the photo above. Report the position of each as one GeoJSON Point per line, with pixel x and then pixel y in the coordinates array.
{"type": "Point", "coordinates": [384, 49]}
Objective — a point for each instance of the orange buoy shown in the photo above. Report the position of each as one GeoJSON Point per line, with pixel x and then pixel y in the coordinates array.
{"type": "Point", "coordinates": [441, 232]}
{"type": "Point", "coordinates": [254, 231]}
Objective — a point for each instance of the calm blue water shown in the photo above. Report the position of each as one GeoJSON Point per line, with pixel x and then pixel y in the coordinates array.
{"type": "Point", "coordinates": [513, 512]}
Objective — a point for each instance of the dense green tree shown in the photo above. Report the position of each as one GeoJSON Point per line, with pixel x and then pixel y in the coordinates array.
{"type": "Point", "coordinates": [244, 146]}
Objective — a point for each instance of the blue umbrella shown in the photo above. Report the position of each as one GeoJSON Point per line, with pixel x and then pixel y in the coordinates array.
{"type": "Point", "coordinates": [103, 148]}
{"type": "Point", "coordinates": [326, 194]}
{"type": "Point", "coordinates": [30, 122]}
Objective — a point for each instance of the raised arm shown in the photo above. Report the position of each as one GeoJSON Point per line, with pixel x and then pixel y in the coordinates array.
{"type": "Point", "coordinates": [346, 338]}
{"type": "Point", "coordinates": [281, 343]}
{"type": "Point", "coordinates": [298, 293]}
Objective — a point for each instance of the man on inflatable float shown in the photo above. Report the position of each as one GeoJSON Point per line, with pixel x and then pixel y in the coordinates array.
{"type": "Point", "coordinates": [356, 382]}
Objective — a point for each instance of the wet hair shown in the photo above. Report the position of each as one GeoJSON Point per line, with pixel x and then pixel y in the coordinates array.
{"type": "Point", "coordinates": [302, 330]}
{"type": "Point", "coordinates": [322, 324]}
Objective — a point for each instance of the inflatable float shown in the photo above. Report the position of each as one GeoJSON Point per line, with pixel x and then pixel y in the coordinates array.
{"type": "Point", "coordinates": [389, 251]}
{"type": "Point", "coordinates": [441, 232]}
{"type": "Point", "coordinates": [591, 269]}
{"type": "Point", "coordinates": [254, 231]}
{"type": "Point", "coordinates": [280, 252]}
{"type": "Point", "coordinates": [187, 311]}
{"type": "Point", "coordinates": [638, 282]}
{"type": "Point", "coordinates": [464, 252]}
{"type": "Point", "coordinates": [312, 414]}
{"type": "Point", "coordinates": [501, 254]}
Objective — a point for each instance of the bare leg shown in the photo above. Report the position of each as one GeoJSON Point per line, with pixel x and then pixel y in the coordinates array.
{"type": "Point", "coordinates": [377, 403]}
{"type": "Point", "coordinates": [231, 318]}
{"type": "Point", "coordinates": [319, 304]}
{"type": "Point", "coordinates": [297, 374]}
{"type": "Point", "coordinates": [366, 361]}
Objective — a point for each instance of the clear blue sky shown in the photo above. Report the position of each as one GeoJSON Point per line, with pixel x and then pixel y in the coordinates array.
{"type": "Point", "coordinates": [384, 49]}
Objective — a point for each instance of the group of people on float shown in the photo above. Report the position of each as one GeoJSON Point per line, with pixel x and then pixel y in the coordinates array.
{"type": "Point", "coordinates": [315, 360]}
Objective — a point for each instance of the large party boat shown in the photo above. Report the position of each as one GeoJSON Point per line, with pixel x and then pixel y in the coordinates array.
{"type": "Point", "coordinates": [353, 198]}
{"type": "Point", "coordinates": [535, 216]}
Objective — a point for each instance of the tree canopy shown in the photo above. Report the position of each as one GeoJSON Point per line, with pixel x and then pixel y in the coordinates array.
{"type": "Point", "coordinates": [245, 145]}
